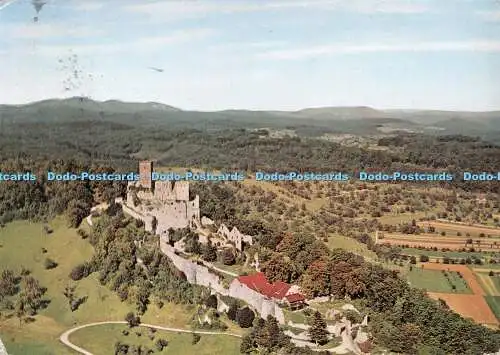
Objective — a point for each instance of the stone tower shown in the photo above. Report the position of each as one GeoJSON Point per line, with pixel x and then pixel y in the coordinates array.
{"type": "Point", "coordinates": [145, 170]}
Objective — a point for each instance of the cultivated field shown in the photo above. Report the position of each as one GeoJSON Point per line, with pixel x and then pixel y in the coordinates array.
{"type": "Point", "coordinates": [469, 306]}
{"type": "Point", "coordinates": [473, 306]}
{"type": "Point", "coordinates": [453, 228]}
{"type": "Point", "coordinates": [438, 241]}
{"type": "Point", "coordinates": [437, 281]}
{"type": "Point", "coordinates": [490, 284]}
{"type": "Point", "coordinates": [494, 303]}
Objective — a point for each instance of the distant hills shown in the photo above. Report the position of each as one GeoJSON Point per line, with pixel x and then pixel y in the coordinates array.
{"type": "Point", "coordinates": [89, 104]}
{"type": "Point", "coordinates": [310, 121]}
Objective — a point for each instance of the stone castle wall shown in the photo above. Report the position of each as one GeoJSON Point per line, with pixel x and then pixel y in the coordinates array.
{"type": "Point", "coordinates": [148, 220]}
{"type": "Point", "coordinates": [195, 274]}
{"type": "Point", "coordinates": [263, 305]}
{"type": "Point", "coordinates": [200, 275]}
{"type": "Point", "coordinates": [171, 190]}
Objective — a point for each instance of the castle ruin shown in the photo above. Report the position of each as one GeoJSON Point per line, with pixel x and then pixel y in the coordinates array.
{"type": "Point", "coordinates": [161, 205]}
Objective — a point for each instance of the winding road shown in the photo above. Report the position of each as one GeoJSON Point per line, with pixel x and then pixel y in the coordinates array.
{"type": "Point", "coordinates": [64, 338]}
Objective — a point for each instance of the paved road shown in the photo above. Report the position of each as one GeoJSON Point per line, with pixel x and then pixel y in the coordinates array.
{"type": "Point", "coordinates": [64, 338]}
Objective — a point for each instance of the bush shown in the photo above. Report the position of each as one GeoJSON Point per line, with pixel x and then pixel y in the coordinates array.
{"type": "Point", "coordinates": [77, 303]}
{"type": "Point", "coordinates": [424, 258]}
{"type": "Point", "coordinates": [161, 344]}
{"type": "Point", "coordinates": [82, 233]}
{"type": "Point", "coordinates": [80, 271]}
{"type": "Point", "coordinates": [49, 264]}
{"type": "Point", "coordinates": [196, 338]}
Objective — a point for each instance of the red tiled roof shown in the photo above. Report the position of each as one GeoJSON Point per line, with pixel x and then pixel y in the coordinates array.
{"type": "Point", "coordinates": [258, 282]}
{"type": "Point", "coordinates": [295, 297]}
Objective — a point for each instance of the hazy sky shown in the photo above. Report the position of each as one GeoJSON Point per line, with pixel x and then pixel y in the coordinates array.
{"type": "Point", "coordinates": [255, 54]}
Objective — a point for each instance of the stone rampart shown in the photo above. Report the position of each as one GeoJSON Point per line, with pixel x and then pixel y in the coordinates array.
{"type": "Point", "coordinates": [195, 274]}
{"type": "Point", "coordinates": [148, 220]}
{"type": "Point", "coordinates": [263, 305]}
{"type": "Point", "coordinates": [201, 275]}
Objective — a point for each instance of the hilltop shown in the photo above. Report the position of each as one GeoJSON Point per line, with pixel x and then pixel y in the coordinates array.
{"type": "Point", "coordinates": [316, 121]}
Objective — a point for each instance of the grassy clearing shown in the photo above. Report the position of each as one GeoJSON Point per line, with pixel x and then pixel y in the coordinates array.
{"type": "Point", "coordinates": [21, 246]}
{"type": "Point", "coordinates": [350, 244]}
{"type": "Point", "coordinates": [236, 268]}
{"type": "Point", "coordinates": [494, 303]}
{"type": "Point", "coordinates": [101, 340]}
{"type": "Point", "coordinates": [295, 316]}
{"type": "Point", "coordinates": [402, 217]}
{"type": "Point", "coordinates": [436, 281]}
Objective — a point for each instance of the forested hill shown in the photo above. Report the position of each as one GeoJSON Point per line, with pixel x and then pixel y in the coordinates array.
{"type": "Point", "coordinates": [313, 121]}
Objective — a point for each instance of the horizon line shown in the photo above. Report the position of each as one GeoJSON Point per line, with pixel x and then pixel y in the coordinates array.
{"type": "Point", "coordinates": [407, 109]}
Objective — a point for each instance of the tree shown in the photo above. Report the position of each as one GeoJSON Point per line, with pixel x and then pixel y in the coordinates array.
{"type": "Point", "coordinates": [211, 301]}
{"type": "Point", "coordinates": [161, 344]}
{"type": "Point", "coordinates": [20, 310]}
{"type": "Point", "coordinates": [196, 338]}
{"type": "Point", "coordinates": [232, 311]}
{"type": "Point", "coordinates": [316, 279]}
{"type": "Point", "coordinates": [121, 348]}
{"type": "Point", "coordinates": [209, 252]}
{"type": "Point", "coordinates": [268, 334]}
{"type": "Point", "coordinates": [317, 331]}
{"type": "Point", "coordinates": [278, 268]}
{"type": "Point", "coordinates": [132, 320]}
{"type": "Point", "coordinates": [247, 345]}
{"type": "Point", "coordinates": [8, 283]}
{"type": "Point", "coordinates": [413, 260]}
{"type": "Point", "coordinates": [228, 257]}
{"type": "Point", "coordinates": [245, 317]}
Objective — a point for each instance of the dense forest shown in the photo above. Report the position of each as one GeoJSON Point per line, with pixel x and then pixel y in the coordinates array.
{"type": "Point", "coordinates": [103, 146]}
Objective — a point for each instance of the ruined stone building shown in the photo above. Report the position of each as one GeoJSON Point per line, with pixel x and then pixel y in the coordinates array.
{"type": "Point", "coordinates": [161, 204]}
{"type": "Point", "coordinates": [235, 236]}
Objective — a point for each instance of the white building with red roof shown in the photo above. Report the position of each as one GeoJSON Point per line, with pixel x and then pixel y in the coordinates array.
{"type": "Point", "coordinates": [259, 288]}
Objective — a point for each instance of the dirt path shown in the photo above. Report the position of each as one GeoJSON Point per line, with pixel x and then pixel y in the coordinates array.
{"type": "Point", "coordinates": [64, 338]}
